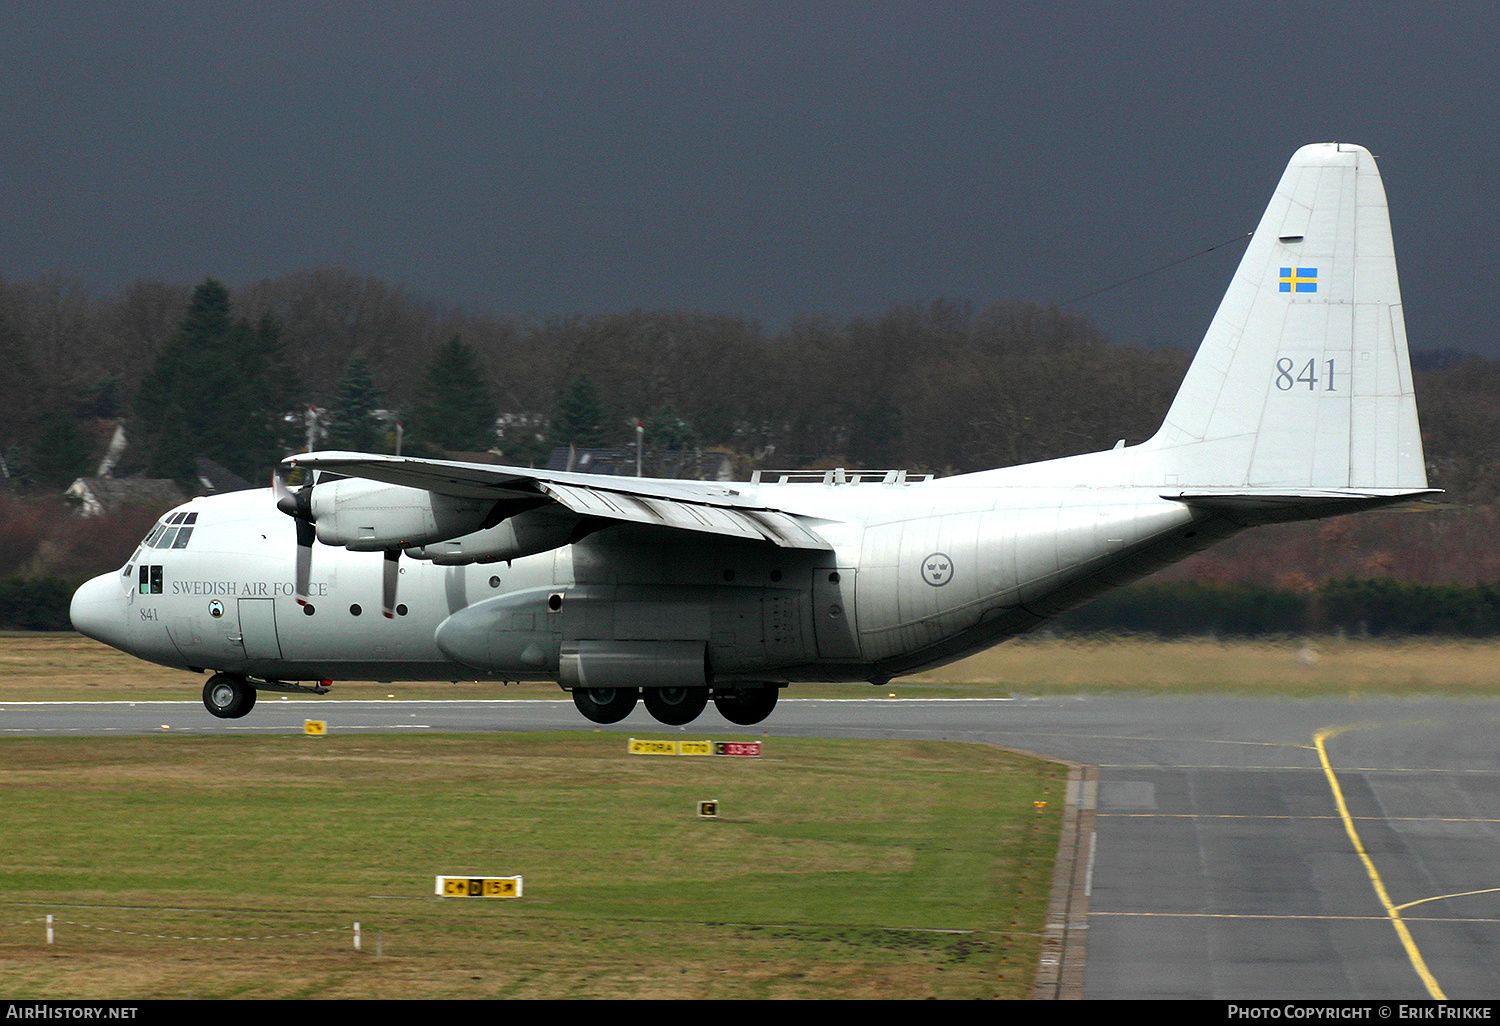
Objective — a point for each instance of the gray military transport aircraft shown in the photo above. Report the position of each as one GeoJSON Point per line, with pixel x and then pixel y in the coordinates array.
{"type": "Point", "coordinates": [1298, 405]}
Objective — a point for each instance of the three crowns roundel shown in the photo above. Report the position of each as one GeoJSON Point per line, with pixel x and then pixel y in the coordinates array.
{"type": "Point", "coordinates": [937, 569]}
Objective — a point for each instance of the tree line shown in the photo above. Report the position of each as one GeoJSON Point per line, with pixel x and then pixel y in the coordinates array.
{"type": "Point", "coordinates": [938, 387]}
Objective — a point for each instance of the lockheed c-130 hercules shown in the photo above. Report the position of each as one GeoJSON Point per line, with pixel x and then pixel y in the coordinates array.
{"type": "Point", "coordinates": [1297, 405]}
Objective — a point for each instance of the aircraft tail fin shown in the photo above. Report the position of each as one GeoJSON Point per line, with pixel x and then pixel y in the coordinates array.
{"type": "Point", "coordinates": [1303, 380]}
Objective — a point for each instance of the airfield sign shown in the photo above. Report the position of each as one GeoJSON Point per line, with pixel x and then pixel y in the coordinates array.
{"type": "Point", "coordinates": [479, 886]}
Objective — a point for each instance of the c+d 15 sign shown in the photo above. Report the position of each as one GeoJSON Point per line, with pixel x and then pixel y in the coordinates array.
{"type": "Point", "coordinates": [479, 886]}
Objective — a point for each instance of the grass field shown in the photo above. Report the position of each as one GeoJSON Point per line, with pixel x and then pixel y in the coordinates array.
{"type": "Point", "coordinates": [235, 867]}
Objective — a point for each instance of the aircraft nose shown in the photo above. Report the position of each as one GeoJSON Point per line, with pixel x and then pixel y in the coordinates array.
{"type": "Point", "coordinates": [98, 609]}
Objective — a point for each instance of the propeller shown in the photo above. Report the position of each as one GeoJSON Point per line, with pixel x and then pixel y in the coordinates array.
{"type": "Point", "coordinates": [298, 505]}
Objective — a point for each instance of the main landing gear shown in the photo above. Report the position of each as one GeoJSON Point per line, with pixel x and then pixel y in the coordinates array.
{"type": "Point", "coordinates": [746, 705]}
{"type": "Point", "coordinates": [606, 705]}
{"type": "Point", "coordinates": [678, 706]}
{"type": "Point", "coordinates": [228, 696]}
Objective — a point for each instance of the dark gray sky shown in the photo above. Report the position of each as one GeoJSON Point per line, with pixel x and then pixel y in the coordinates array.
{"type": "Point", "coordinates": [770, 159]}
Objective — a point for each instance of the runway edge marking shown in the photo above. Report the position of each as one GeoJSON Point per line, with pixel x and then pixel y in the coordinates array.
{"type": "Point", "coordinates": [1064, 951]}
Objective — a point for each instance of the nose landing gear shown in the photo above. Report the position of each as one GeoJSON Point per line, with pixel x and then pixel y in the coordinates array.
{"type": "Point", "coordinates": [228, 696]}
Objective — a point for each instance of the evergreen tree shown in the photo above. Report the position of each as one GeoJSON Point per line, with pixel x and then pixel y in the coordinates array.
{"type": "Point", "coordinates": [62, 451]}
{"type": "Point", "coordinates": [455, 408]}
{"type": "Point", "coordinates": [351, 420]}
{"type": "Point", "coordinates": [666, 431]}
{"type": "Point", "coordinates": [580, 416]}
{"type": "Point", "coordinates": [20, 405]}
{"type": "Point", "coordinates": [220, 389]}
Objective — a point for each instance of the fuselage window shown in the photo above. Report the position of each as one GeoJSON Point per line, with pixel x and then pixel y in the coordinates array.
{"type": "Point", "coordinates": [150, 580]}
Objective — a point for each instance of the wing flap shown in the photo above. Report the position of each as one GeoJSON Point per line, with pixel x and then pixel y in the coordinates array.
{"type": "Point", "coordinates": [755, 525]}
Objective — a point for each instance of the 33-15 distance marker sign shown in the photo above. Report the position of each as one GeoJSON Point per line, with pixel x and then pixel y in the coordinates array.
{"type": "Point", "coordinates": [652, 746]}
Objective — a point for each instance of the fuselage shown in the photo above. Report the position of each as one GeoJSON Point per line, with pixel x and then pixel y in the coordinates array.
{"type": "Point", "coordinates": [918, 574]}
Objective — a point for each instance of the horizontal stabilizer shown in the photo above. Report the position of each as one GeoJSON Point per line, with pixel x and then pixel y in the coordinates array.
{"type": "Point", "coordinates": [1276, 505]}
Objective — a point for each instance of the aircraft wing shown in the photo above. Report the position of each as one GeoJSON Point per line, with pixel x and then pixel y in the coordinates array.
{"type": "Point", "coordinates": [704, 507]}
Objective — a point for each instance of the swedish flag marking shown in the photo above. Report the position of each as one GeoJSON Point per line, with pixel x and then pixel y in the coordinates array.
{"type": "Point", "coordinates": [1299, 279]}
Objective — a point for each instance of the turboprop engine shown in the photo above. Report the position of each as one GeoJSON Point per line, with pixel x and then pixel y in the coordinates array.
{"type": "Point", "coordinates": [523, 534]}
{"type": "Point", "coordinates": [368, 516]}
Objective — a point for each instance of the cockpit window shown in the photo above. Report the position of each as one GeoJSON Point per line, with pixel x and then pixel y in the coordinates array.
{"type": "Point", "coordinates": [173, 533]}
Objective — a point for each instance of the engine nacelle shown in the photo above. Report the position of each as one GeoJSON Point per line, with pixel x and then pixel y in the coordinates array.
{"type": "Point", "coordinates": [537, 530]}
{"type": "Point", "coordinates": [368, 516]}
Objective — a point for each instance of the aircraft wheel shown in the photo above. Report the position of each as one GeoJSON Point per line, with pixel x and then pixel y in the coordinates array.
{"type": "Point", "coordinates": [675, 706]}
{"type": "Point", "coordinates": [228, 697]}
{"type": "Point", "coordinates": [605, 705]}
{"type": "Point", "coordinates": [746, 705]}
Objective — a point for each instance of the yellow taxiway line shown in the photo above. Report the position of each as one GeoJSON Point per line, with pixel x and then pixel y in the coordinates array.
{"type": "Point", "coordinates": [1392, 911]}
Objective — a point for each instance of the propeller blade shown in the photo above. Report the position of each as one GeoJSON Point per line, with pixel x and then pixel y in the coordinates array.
{"type": "Point", "coordinates": [279, 487]}
{"type": "Point", "coordinates": [298, 505]}
{"type": "Point", "coordinates": [388, 582]}
{"type": "Point", "coordinates": [306, 532]}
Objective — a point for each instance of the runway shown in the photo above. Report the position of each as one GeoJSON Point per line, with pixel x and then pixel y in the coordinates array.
{"type": "Point", "coordinates": [1245, 848]}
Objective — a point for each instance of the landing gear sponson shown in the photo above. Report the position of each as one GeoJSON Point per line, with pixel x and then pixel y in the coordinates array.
{"type": "Point", "coordinates": [678, 705]}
